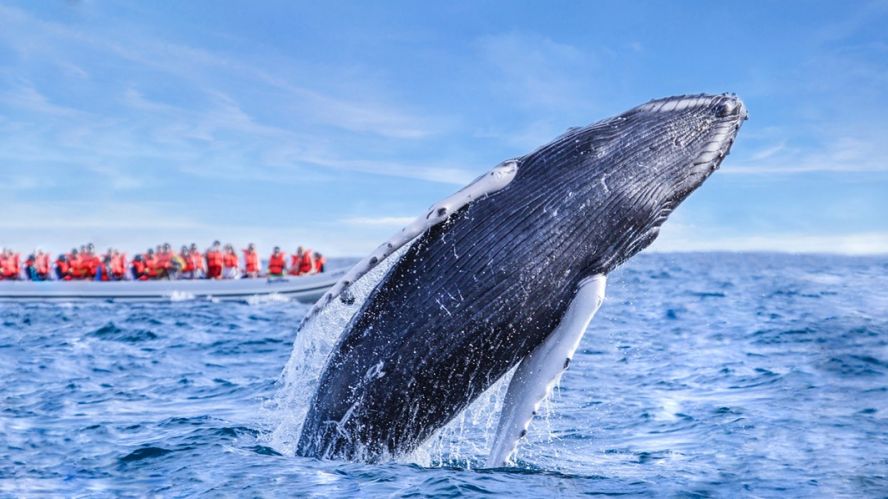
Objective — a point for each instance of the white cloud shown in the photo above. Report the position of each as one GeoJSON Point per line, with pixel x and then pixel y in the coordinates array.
{"type": "Point", "coordinates": [394, 222]}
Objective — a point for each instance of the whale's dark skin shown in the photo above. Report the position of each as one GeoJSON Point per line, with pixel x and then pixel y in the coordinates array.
{"type": "Point", "coordinates": [476, 293]}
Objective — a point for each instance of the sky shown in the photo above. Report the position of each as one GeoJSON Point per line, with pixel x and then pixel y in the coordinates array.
{"type": "Point", "coordinates": [333, 124]}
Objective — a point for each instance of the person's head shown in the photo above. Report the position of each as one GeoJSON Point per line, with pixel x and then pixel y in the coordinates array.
{"type": "Point", "coordinates": [277, 249]}
{"type": "Point", "coordinates": [184, 249]}
{"type": "Point", "coordinates": [216, 244]}
{"type": "Point", "coordinates": [63, 258]}
{"type": "Point", "coordinates": [300, 250]}
{"type": "Point", "coordinates": [90, 247]}
{"type": "Point", "coordinates": [74, 252]}
{"type": "Point", "coordinates": [166, 246]}
{"type": "Point", "coordinates": [137, 258]}
{"type": "Point", "coordinates": [251, 247]}
{"type": "Point", "coordinates": [317, 255]}
{"type": "Point", "coordinates": [150, 252]}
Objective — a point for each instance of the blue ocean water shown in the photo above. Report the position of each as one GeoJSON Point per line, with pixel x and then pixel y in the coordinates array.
{"type": "Point", "coordinates": [702, 375]}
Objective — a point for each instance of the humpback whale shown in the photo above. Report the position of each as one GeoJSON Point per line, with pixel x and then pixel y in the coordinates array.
{"type": "Point", "coordinates": [507, 272]}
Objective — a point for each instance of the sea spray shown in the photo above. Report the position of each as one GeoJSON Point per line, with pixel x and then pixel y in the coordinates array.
{"type": "Point", "coordinates": [286, 412]}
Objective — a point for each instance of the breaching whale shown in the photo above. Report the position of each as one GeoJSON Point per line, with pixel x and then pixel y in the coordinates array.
{"type": "Point", "coordinates": [508, 271]}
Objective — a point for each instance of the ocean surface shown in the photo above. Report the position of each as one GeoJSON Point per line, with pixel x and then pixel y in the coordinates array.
{"type": "Point", "coordinates": [702, 375]}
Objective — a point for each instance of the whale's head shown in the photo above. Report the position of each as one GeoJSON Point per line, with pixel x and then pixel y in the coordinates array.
{"type": "Point", "coordinates": [619, 179]}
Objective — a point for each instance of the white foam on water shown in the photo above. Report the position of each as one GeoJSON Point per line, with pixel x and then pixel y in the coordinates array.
{"type": "Point", "coordinates": [286, 412]}
{"type": "Point", "coordinates": [177, 296]}
{"type": "Point", "coordinates": [269, 298]}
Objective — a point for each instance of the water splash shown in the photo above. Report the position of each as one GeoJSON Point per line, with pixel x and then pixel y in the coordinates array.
{"type": "Point", "coordinates": [286, 412]}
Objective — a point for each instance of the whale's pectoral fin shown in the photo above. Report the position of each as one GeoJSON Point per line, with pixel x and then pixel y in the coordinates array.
{"type": "Point", "coordinates": [538, 373]}
{"type": "Point", "coordinates": [492, 181]}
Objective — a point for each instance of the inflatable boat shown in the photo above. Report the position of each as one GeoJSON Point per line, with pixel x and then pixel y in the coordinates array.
{"type": "Point", "coordinates": [306, 289]}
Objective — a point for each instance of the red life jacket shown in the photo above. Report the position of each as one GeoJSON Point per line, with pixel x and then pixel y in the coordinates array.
{"type": "Point", "coordinates": [229, 260]}
{"type": "Point", "coordinates": [189, 262]}
{"type": "Point", "coordinates": [295, 262]}
{"type": "Point", "coordinates": [251, 261]}
{"type": "Point", "coordinates": [214, 258]}
{"type": "Point", "coordinates": [307, 263]}
{"type": "Point", "coordinates": [276, 263]}
{"type": "Point", "coordinates": [319, 263]}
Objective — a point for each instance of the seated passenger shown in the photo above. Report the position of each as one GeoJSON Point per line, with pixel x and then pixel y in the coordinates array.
{"type": "Point", "coordinates": [251, 261]}
{"type": "Point", "coordinates": [118, 265]}
{"type": "Point", "coordinates": [150, 262]}
{"type": "Point", "coordinates": [320, 262]}
{"type": "Point", "coordinates": [42, 265]}
{"type": "Point", "coordinates": [31, 268]}
{"type": "Point", "coordinates": [197, 262]}
{"type": "Point", "coordinates": [189, 266]}
{"type": "Point", "coordinates": [139, 269]}
{"type": "Point", "coordinates": [11, 266]}
{"type": "Point", "coordinates": [303, 262]}
{"type": "Point", "coordinates": [277, 263]}
{"type": "Point", "coordinates": [214, 261]}
{"type": "Point", "coordinates": [230, 268]}
{"type": "Point", "coordinates": [103, 269]}
{"type": "Point", "coordinates": [176, 267]}
{"type": "Point", "coordinates": [63, 268]}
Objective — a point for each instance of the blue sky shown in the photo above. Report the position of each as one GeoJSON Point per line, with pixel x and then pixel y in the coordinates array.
{"type": "Point", "coordinates": [333, 125]}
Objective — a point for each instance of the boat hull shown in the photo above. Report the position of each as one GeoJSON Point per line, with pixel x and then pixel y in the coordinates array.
{"type": "Point", "coordinates": [305, 289]}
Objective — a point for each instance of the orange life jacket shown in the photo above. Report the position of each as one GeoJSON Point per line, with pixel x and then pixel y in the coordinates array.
{"type": "Point", "coordinates": [118, 265]}
{"type": "Point", "coordinates": [276, 263]}
{"type": "Point", "coordinates": [196, 260]}
{"type": "Point", "coordinates": [295, 262]}
{"type": "Point", "coordinates": [251, 261]}
{"type": "Point", "coordinates": [150, 263]}
{"type": "Point", "coordinates": [11, 266]}
{"type": "Point", "coordinates": [320, 262]}
{"type": "Point", "coordinates": [42, 264]}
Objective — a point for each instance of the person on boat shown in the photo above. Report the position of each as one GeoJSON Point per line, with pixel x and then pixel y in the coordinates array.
{"type": "Point", "coordinates": [12, 266]}
{"type": "Point", "coordinates": [90, 262]}
{"type": "Point", "coordinates": [150, 261]}
{"type": "Point", "coordinates": [230, 269]}
{"type": "Point", "coordinates": [103, 269]}
{"type": "Point", "coordinates": [277, 263]}
{"type": "Point", "coordinates": [74, 263]}
{"type": "Point", "coordinates": [214, 261]}
{"type": "Point", "coordinates": [188, 262]}
{"type": "Point", "coordinates": [251, 261]}
{"type": "Point", "coordinates": [140, 270]}
{"type": "Point", "coordinates": [63, 268]}
{"type": "Point", "coordinates": [164, 261]}
{"type": "Point", "coordinates": [176, 266]}
{"type": "Point", "coordinates": [42, 265]}
{"type": "Point", "coordinates": [118, 265]}
{"type": "Point", "coordinates": [320, 262]}
{"type": "Point", "coordinates": [303, 262]}
{"type": "Point", "coordinates": [31, 268]}
{"type": "Point", "coordinates": [197, 262]}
